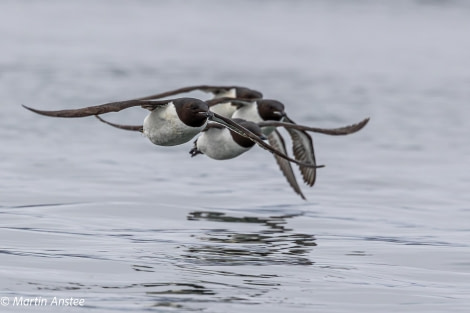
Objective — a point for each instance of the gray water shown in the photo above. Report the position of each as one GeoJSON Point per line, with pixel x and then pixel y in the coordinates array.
{"type": "Point", "coordinates": [102, 215]}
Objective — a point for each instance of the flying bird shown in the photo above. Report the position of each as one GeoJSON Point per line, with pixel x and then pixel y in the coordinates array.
{"type": "Point", "coordinates": [256, 109]}
{"type": "Point", "coordinates": [253, 108]}
{"type": "Point", "coordinates": [262, 110]}
{"type": "Point", "coordinates": [218, 142]}
{"type": "Point", "coordinates": [170, 122]}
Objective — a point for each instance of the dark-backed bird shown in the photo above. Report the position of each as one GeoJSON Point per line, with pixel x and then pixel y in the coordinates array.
{"type": "Point", "coordinates": [219, 143]}
{"type": "Point", "coordinates": [170, 122]}
{"type": "Point", "coordinates": [262, 110]}
{"type": "Point", "coordinates": [257, 109]}
{"type": "Point", "coordinates": [272, 112]}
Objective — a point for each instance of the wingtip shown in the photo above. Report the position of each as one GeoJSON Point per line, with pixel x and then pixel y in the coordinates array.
{"type": "Point", "coordinates": [32, 109]}
{"type": "Point", "coordinates": [362, 123]}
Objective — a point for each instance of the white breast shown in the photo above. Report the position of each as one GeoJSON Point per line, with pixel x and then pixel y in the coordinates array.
{"type": "Point", "coordinates": [218, 144]}
{"type": "Point", "coordinates": [164, 128]}
{"type": "Point", "coordinates": [248, 112]}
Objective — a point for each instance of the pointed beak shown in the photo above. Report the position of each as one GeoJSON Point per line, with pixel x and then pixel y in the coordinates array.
{"type": "Point", "coordinates": [208, 114]}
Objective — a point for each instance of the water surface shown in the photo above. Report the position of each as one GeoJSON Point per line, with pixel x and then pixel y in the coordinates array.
{"type": "Point", "coordinates": [94, 213]}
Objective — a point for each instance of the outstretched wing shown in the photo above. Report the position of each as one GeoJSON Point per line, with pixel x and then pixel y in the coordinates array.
{"type": "Point", "coordinates": [341, 131]}
{"type": "Point", "coordinates": [302, 145]}
{"type": "Point", "coordinates": [277, 142]}
{"type": "Point", "coordinates": [101, 109]}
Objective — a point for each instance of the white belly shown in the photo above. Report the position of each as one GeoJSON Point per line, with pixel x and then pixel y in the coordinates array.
{"type": "Point", "coordinates": [219, 145]}
{"type": "Point", "coordinates": [164, 128]}
{"type": "Point", "coordinates": [248, 112]}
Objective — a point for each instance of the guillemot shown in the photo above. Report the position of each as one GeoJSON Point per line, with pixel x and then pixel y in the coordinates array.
{"type": "Point", "coordinates": [256, 109]}
{"type": "Point", "coordinates": [269, 114]}
{"type": "Point", "coordinates": [170, 122]}
{"type": "Point", "coordinates": [252, 109]}
{"type": "Point", "coordinates": [218, 142]}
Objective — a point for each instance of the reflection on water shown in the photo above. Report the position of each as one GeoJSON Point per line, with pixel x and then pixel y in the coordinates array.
{"type": "Point", "coordinates": [272, 244]}
{"type": "Point", "coordinates": [215, 266]}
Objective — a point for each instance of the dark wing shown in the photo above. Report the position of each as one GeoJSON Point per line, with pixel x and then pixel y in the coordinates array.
{"type": "Point", "coordinates": [138, 128]}
{"type": "Point", "coordinates": [204, 88]}
{"type": "Point", "coordinates": [239, 102]}
{"type": "Point", "coordinates": [277, 142]}
{"type": "Point", "coordinates": [346, 130]}
{"type": "Point", "coordinates": [101, 109]}
{"type": "Point", "coordinates": [302, 145]}
{"type": "Point", "coordinates": [246, 133]}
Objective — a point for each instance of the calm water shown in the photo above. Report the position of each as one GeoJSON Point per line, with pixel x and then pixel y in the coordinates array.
{"type": "Point", "coordinates": [99, 214]}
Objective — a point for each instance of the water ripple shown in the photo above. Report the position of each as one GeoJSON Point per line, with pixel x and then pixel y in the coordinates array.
{"type": "Point", "coordinates": [272, 244]}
